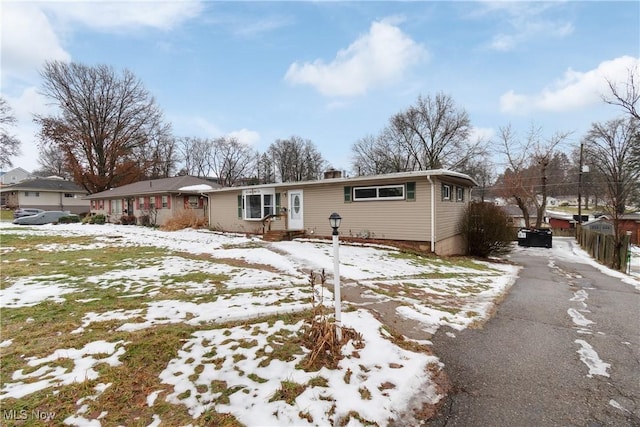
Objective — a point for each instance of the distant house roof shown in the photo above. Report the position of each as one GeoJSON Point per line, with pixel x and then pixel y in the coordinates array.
{"type": "Point", "coordinates": [46, 184]}
{"type": "Point", "coordinates": [176, 185]}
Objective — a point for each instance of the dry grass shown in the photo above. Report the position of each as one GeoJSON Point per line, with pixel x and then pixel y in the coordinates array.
{"type": "Point", "coordinates": [320, 336]}
{"type": "Point", "coordinates": [186, 218]}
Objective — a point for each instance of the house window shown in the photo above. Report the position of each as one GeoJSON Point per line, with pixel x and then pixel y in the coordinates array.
{"type": "Point", "coordinates": [459, 194]}
{"type": "Point", "coordinates": [141, 203]}
{"type": "Point", "coordinates": [379, 192]}
{"type": "Point", "coordinates": [258, 203]}
{"type": "Point", "coordinates": [152, 202]}
{"type": "Point", "coordinates": [446, 192]}
{"type": "Point", "coordinates": [69, 196]}
{"type": "Point", "coordinates": [194, 202]}
{"type": "Point", "coordinates": [165, 201]}
{"type": "Point", "coordinates": [32, 194]}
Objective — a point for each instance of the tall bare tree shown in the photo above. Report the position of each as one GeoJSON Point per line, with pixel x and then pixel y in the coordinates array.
{"type": "Point", "coordinates": [627, 96]}
{"type": "Point", "coordinates": [433, 133]}
{"type": "Point", "coordinates": [526, 177]}
{"type": "Point", "coordinates": [196, 156]}
{"type": "Point", "coordinates": [373, 155]}
{"type": "Point", "coordinates": [106, 125]}
{"type": "Point", "coordinates": [9, 144]}
{"type": "Point", "coordinates": [614, 144]}
{"type": "Point", "coordinates": [52, 162]}
{"type": "Point", "coordinates": [232, 161]}
{"type": "Point", "coordinates": [296, 159]}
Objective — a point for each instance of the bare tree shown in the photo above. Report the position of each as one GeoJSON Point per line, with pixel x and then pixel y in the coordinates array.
{"type": "Point", "coordinates": [232, 161]}
{"type": "Point", "coordinates": [52, 162]}
{"type": "Point", "coordinates": [526, 177]}
{"type": "Point", "coordinates": [265, 173]}
{"type": "Point", "coordinates": [373, 155]}
{"type": "Point", "coordinates": [9, 144]}
{"type": "Point", "coordinates": [626, 97]}
{"type": "Point", "coordinates": [196, 156]}
{"type": "Point", "coordinates": [435, 133]}
{"type": "Point", "coordinates": [106, 125]}
{"type": "Point", "coordinates": [614, 144]}
{"type": "Point", "coordinates": [296, 159]}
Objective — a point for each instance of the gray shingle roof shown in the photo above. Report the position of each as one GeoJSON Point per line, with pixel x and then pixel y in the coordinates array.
{"type": "Point", "coordinates": [46, 184]}
{"type": "Point", "coordinates": [154, 186]}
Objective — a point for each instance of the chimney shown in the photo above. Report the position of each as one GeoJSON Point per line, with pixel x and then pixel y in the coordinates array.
{"type": "Point", "coordinates": [332, 173]}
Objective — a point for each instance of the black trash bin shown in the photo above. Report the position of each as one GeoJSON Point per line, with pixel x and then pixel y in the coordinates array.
{"type": "Point", "coordinates": [535, 237]}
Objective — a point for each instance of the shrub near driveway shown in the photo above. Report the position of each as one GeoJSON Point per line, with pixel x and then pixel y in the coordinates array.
{"type": "Point", "coordinates": [121, 325]}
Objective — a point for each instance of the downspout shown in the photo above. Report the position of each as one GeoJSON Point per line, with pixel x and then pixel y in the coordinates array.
{"type": "Point", "coordinates": [208, 208]}
{"type": "Point", "coordinates": [433, 214]}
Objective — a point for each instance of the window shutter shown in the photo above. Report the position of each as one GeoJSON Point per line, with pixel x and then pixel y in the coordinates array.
{"type": "Point", "coordinates": [168, 201]}
{"type": "Point", "coordinates": [347, 194]}
{"type": "Point", "coordinates": [277, 204]}
{"type": "Point", "coordinates": [239, 205]}
{"type": "Point", "coordinates": [411, 190]}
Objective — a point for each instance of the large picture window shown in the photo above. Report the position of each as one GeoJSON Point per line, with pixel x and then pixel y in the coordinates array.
{"type": "Point", "coordinates": [379, 192]}
{"type": "Point", "coordinates": [258, 203]}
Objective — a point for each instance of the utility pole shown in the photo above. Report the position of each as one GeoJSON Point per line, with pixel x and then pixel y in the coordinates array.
{"type": "Point", "coordinates": [579, 227]}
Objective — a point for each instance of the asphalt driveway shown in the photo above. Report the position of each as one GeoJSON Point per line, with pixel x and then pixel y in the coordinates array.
{"type": "Point", "coordinates": [563, 349]}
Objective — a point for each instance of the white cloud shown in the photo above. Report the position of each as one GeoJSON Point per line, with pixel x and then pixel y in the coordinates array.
{"type": "Point", "coordinates": [574, 90]}
{"type": "Point", "coordinates": [527, 21]}
{"type": "Point", "coordinates": [379, 57]}
{"type": "Point", "coordinates": [481, 134]}
{"type": "Point", "coordinates": [246, 136]}
{"type": "Point", "coordinates": [123, 14]}
{"type": "Point", "coordinates": [23, 107]}
{"type": "Point", "coordinates": [28, 39]}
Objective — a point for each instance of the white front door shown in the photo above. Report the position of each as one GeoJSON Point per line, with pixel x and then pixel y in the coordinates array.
{"type": "Point", "coordinates": [296, 218]}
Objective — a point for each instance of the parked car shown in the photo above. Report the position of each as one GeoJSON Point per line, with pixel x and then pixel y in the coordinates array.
{"type": "Point", "coordinates": [20, 212]}
{"type": "Point", "coordinates": [44, 217]}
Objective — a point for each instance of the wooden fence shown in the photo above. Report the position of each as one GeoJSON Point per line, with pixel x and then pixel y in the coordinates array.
{"type": "Point", "coordinates": [601, 247]}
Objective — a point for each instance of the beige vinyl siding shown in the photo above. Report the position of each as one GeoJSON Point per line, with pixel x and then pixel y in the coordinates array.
{"type": "Point", "coordinates": [378, 219]}
{"type": "Point", "coordinates": [224, 214]}
{"type": "Point", "coordinates": [449, 212]}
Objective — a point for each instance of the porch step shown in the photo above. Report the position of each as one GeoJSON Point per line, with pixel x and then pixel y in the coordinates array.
{"type": "Point", "coordinates": [280, 235]}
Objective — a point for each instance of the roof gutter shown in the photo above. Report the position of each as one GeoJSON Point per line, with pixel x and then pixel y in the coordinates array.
{"type": "Point", "coordinates": [433, 213]}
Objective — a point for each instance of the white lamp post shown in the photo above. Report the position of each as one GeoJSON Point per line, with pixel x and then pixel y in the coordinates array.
{"type": "Point", "coordinates": [334, 221]}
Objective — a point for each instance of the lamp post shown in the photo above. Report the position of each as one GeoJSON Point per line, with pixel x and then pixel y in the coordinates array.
{"type": "Point", "coordinates": [334, 221]}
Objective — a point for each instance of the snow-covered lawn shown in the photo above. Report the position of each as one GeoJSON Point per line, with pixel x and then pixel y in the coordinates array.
{"type": "Point", "coordinates": [120, 325]}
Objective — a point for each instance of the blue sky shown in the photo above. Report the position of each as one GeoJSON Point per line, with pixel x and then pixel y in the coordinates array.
{"type": "Point", "coordinates": [331, 72]}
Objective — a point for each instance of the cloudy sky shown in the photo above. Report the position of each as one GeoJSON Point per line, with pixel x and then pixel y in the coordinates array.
{"type": "Point", "coordinates": [331, 72]}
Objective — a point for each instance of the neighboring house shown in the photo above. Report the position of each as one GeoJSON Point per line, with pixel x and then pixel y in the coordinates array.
{"type": "Point", "coordinates": [422, 207]}
{"type": "Point", "coordinates": [159, 199]}
{"type": "Point", "coordinates": [55, 194]}
{"type": "Point", "coordinates": [562, 221]}
{"type": "Point", "coordinates": [629, 223]}
{"type": "Point", "coordinates": [14, 176]}
{"type": "Point", "coordinates": [599, 225]}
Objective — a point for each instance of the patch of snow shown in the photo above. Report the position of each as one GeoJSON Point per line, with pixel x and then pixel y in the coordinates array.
{"type": "Point", "coordinates": [578, 318]}
{"type": "Point", "coordinates": [589, 357]}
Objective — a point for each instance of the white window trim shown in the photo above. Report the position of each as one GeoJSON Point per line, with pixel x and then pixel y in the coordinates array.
{"type": "Point", "coordinates": [448, 195]}
{"type": "Point", "coordinates": [255, 192]}
{"type": "Point", "coordinates": [377, 188]}
{"type": "Point", "coordinates": [458, 191]}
